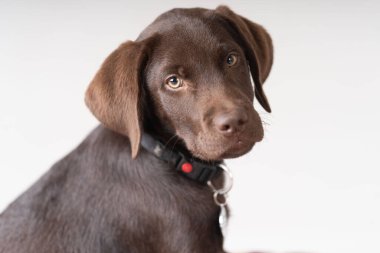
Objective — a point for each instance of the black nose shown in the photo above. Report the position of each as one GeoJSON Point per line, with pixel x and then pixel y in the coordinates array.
{"type": "Point", "coordinates": [230, 123]}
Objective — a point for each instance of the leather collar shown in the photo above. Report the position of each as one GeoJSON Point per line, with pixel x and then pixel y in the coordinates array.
{"type": "Point", "coordinates": [189, 167]}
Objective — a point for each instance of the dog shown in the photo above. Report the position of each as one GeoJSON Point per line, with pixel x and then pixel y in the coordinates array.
{"type": "Point", "coordinates": [172, 105]}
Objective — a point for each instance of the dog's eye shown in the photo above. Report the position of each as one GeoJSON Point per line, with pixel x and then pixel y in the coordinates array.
{"type": "Point", "coordinates": [231, 59]}
{"type": "Point", "coordinates": [173, 82]}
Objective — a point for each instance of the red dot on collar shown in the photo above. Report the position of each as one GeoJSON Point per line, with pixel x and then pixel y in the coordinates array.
{"type": "Point", "coordinates": [187, 167]}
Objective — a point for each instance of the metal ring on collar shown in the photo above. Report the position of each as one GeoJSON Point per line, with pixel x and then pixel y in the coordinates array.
{"type": "Point", "coordinates": [228, 181]}
{"type": "Point", "coordinates": [216, 199]}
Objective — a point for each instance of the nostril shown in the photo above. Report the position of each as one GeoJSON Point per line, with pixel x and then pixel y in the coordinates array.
{"type": "Point", "coordinates": [243, 118]}
{"type": "Point", "coordinates": [241, 122]}
{"type": "Point", "coordinates": [225, 128]}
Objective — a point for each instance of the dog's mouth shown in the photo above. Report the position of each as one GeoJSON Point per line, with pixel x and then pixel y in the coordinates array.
{"type": "Point", "coordinates": [239, 148]}
{"type": "Point", "coordinates": [219, 149]}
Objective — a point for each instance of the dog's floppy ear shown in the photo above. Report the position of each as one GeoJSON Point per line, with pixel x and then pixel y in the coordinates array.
{"type": "Point", "coordinates": [114, 94]}
{"type": "Point", "coordinates": [258, 49]}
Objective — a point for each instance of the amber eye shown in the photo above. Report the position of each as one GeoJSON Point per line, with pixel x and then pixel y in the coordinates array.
{"type": "Point", "coordinates": [231, 59]}
{"type": "Point", "coordinates": [173, 82]}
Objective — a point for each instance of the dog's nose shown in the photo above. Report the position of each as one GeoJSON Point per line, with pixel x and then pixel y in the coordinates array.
{"type": "Point", "coordinates": [230, 123]}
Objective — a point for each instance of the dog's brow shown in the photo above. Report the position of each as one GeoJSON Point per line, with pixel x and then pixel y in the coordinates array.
{"type": "Point", "coordinates": [175, 69]}
{"type": "Point", "coordinates": [225, 47]}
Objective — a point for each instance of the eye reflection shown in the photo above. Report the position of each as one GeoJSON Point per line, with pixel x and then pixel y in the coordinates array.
{"type": "Point", "coordinates": [173, 82]}
{"type": "Point", "coordinates": [231, 59]}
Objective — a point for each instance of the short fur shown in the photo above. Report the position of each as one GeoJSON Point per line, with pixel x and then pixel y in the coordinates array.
{"type": "Point", "coordinates": [110, 195]}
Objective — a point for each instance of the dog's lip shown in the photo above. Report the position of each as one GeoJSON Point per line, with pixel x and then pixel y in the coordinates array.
{"type": "Point", "coordinates": [223, 148]}
{"type": "Point", "coordinates": [237, 149]}
{"type": "Point", "coordinates": [240, 144]}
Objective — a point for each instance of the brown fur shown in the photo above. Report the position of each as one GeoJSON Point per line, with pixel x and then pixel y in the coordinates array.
{"type": "Point", "coordinates": [109, 195]}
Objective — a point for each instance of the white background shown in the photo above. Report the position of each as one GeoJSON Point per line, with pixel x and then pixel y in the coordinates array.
{"type": "Point", "coordinates": [312, 185]}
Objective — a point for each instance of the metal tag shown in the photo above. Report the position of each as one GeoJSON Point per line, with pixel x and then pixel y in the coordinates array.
{"type": "Point", "coordinates": [223, 219]}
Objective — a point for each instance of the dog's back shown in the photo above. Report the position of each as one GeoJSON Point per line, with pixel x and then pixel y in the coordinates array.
{"type": "Point", "coordinates": [62, 212]}
{"type": "Point", "coordinates": [93, 200]}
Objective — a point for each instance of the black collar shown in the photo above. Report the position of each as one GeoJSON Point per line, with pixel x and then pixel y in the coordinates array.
{"type": "Point", "coordinates": [189, 167]}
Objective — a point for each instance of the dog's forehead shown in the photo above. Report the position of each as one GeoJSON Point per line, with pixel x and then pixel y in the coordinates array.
{"type": "Point", "coordinates": [189, 36]}
{"type": "Point", "coordinates": [197, 25]}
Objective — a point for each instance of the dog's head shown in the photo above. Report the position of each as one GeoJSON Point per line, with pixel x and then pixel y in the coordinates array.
{"type": "Point", "coordinates": [188, 74]}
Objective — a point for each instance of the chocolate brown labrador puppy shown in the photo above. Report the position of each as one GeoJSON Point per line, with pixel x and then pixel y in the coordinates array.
{"type": "Point", "coordinates": [173, 104]}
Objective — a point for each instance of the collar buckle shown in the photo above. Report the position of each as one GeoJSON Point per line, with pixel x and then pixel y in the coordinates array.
{"type": "Point", "coordinates": [195, 170]}
{"type": "Point", "coordinates": [189, 167]}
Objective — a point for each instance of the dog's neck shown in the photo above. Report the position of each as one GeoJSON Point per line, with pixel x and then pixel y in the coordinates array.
{"type": "Point", "coordinates": [196, 170]}
{"type": "Point", "coordinates": [188, 166]}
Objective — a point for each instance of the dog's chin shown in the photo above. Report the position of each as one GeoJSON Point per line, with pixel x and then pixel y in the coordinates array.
{"type": "Point", "coordinates": [222, 151]}
{"type": "Point", "coordinates": [236, 151]}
